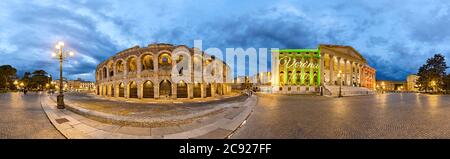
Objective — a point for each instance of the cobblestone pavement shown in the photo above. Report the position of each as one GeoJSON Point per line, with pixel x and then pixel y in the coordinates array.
{"type": "Point", "coordinates": [147, 110]}
{"type": "Point", "coordinates": [377, 116]}
{"type": "Point", "coordinates": [22, 117]}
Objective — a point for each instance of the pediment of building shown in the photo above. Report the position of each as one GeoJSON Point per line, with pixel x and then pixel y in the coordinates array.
{"type": "Point", "coordinates": [347, 52]}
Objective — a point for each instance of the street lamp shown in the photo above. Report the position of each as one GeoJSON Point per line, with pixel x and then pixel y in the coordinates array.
{"type": "Point", "coordinates": [340, 83]}
{"type": "Point", "coordinates": [61, 54]}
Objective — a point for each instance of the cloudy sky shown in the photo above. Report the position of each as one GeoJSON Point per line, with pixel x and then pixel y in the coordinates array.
{"type": "Point", "coordinates": [396, 37]}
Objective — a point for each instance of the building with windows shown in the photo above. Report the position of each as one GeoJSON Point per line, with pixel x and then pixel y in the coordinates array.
{"type": "Point", "coordinates": [391, 86]}
{"type": "Point", "coordinates": [321, 70]}
{"type": "Point", "coordinates": [148, 73]}
{"type": "Point", "coordinates": [79, 85]}
{"type": "Point", "coordinates": [411, 82]}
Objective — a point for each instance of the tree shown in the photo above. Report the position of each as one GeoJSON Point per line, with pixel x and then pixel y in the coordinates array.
{"type": "Point", "coordinates": [432, 74]}
{"type": "Point", "coordinates": [39, 79]}
{"type": "Point", "coordinates": [447, 84]}
{"type": "Point", "coordinates": [7, 74]}
{"type": "Point", "coordinates": [26, 79]}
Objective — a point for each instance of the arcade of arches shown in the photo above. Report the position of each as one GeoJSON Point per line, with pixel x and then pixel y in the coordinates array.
{"type": "Point", "coordinates": [146, 73]}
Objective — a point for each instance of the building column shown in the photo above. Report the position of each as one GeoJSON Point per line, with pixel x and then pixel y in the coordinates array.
{"type": "Point", "coordinates": [321, 71]}
{"type": "Point", "coordinates": [156, 90]}
{"type": "Point", "coordinates": [114, 69]}
{"type": "Point", "coordinates": [302, 76]}
{"type": "Point", "coordinates": [174, 91]}
{"type": "Point", "coordinates": [311, 73]}
{"type": "Point", "coordinates": [125, 69]}
{"type": "Point", "coordinates": [339, 69]}
{"type": "Point", "coordinates": [359, 75]}
{"type": "Point", "coordinates": [345, 72]}
{"type": "Point", "coordinates": [139, 67]}
{"type": "Point", "coordinates": [331, 74]}
{"type": "Point", "coordinates": [202, 90]}
{"type": "Point", "coordinates": [116, 90]}
{"type": "Point", "coordinates": [213, 89]}
{"type": "Point", "coordinates": [109, 90]}
{"type": "Point", "coordinates": [127, 92]}
{"type": "Point", "coordinates": [107, 72]}
{"type": "Point", "coordinates": [140, 89]}
{"type": "Point", "coordinates": [351, 73]}
{"type": "Point", "coordinates": [190, 90]}
{"type": "Point", "coordinates": [275, 69]}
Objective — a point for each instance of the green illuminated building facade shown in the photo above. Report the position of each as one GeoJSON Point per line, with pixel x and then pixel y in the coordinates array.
{"type": "Point", "coordinates": [302, 71]}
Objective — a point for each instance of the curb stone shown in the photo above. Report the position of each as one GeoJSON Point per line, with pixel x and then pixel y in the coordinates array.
{"type": "Point", "coordinates": [71, 125]}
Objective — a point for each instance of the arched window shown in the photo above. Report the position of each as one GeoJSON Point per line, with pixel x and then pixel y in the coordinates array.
{"type": "Point", "coordinates": [182, 90]}
{"type": "Point", "coordinates": [119, 66]}
{"type": "Point", "coordinates": [105, 72]}
{"type": "Point", "coordinates": [121, 90]}
{"type": "Point", "coordinates": [299, 77]}
{"type": "Point", "coordinates": [281, 78]}
{"type": "Point", "coordinates": [148, 90]}
{"type": "Point", "coordinates": [147, 62]}
{"type": "Point", "coordinates": [133, 90]}
{"type": "Point", "coordinates": [165, 61]}
{"type": "Point", "coordinates": [131, 63]}
{"type": "Point", "coordinates": [111, 69]}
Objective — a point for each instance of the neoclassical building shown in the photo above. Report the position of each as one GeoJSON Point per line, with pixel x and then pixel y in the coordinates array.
{"type": "Point", "coordinates": [147, 73]}
{"type": "Point", "coordinates": [302, 71]}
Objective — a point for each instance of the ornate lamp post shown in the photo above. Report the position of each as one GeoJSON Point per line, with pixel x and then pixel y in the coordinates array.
{"type": "Point", "coordinates": [340, 83]}
{"type": "Point", "coordinates": [61, 54]}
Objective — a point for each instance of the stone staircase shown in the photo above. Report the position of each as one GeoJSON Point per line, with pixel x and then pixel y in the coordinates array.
{"type": "Point", "coordinates": [347, 91]}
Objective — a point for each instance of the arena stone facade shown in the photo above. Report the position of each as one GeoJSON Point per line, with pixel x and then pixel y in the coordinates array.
{"type": "Point", "coordinates": [147, 73]}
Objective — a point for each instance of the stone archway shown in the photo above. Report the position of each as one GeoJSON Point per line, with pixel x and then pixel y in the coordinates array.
{"type": "Point", "coordinates": [112, 91]}
{"type": "Point", "coordinates": [208, 90]}
{"type": "Point", "coordinates": [149, 91]}
{"type": "Point", "coordinates": [182, 90]}
{"type": "Point", "coordinates": [219, 89]}
{"type": "Point", "coordinates": [133, 90]}
{"type": "Point", "coordinates": [197, 90]}
{"type": "Point", "coordinates": [165, 89]}
{"type": "Point", "coordinates": [121, 90]}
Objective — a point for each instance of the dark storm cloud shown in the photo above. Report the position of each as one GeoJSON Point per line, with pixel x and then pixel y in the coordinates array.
{"type": "Point", "coordinates": [394, 36]}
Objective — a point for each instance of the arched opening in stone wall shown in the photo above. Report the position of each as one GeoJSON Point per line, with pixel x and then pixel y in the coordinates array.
{"type": "Point", "coordinates": [219, 89]}
{"type": "Point", "coordinates": [149, 90]}
{"type": "Point", "coordinates": [147, 62]}
{"type": "Point", "coordinates": [104, 90]}
{"type": "Point", "coordinates": [107, 88]}
{"type": "Point", "coordinates": [112, 90]}
{"type": "Point", "coordinates": [121, 90]}
{"type": "Point", "coordinates": [111, 69]}
{"type": "Point", "coordinates": [197, 90]}
{"type": "Point", "coordinates": [208, 90]}
{"type": "Point", "coordinates": [131, 64]}
{"type": "Point", "coordinates": [133, 90]}
{"type": "Point", "coordinates": [119, 67]}
{"type": "Point", "coordinates": [165, 89]}
{"type": "Point", "coordinates": [98, 90]}
{"type": "Point", "coordinates": [182, 90]}
{"type": "Point", "coordinates": [105, 73]}
{"type": "Point", "coordinates": [281, 78]}
{"type": "Point", "coordinates": [165, 62]}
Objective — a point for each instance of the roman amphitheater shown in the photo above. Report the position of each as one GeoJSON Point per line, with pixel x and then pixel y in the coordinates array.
{"type": "Point", "coordinates": [147, 73]}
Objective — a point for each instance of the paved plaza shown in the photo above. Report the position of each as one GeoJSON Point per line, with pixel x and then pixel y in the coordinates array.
{"type": "Point", "coordinates": [378, 116]}
{"type": "Point", "coordinates": [21, 117]}
{"type": "Point", "coordinates": [404, 115]}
